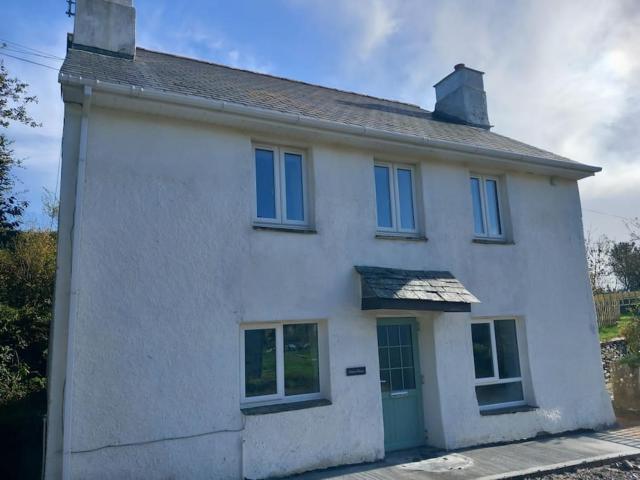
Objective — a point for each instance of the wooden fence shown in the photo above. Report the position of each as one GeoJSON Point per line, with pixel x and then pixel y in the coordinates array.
{"type": "Point", "coordinates": [608, 305]}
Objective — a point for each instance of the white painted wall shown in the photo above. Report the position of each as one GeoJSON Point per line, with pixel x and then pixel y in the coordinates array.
{"type": "Point", "coordinates": [434, 427]}
{"type": "Point", "coordinates": [170, 267]}
{"type": "Point", "coordinates": [57, 354]}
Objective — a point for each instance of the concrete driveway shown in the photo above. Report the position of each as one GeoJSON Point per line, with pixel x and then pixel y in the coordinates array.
{"type": "Point", "coordinates": [512, 460]}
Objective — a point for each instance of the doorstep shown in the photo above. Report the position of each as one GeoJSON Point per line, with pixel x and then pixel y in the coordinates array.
{"type": "Point", "coordinates": [497, 462]}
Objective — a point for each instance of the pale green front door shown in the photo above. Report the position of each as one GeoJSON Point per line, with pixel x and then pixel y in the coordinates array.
{"type": "Point", "coordinates": [400, 383]}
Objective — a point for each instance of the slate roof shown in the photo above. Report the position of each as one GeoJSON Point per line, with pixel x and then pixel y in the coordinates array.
{"type": "Point", "coordinates": [170, 73]}
{"type": "Point", "coordinates": [427, 288]}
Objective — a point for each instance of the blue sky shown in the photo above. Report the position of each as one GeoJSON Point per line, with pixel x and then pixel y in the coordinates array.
{"type": "Point", "coordinates": [564, 76]}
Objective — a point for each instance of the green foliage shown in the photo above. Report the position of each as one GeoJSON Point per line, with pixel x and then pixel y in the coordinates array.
{"type": "Point", "coordinates": [631, 359]}
{"type": "Point", "coordinates": [13, 108]}
{"type": "Point", "coordinates": [631, 333]}
{"type": "Point", "coordinates": [625, 264]}
{"type": "Point", "coordinates": [613, 331]}
{"type": "Point", "coordinates": [27, 270]}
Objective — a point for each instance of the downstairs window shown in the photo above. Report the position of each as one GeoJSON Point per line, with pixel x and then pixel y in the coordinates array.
{"type": "Point", "coordinates": [280, 362]}
{"type": "Point", "coordinates": [497, 363]}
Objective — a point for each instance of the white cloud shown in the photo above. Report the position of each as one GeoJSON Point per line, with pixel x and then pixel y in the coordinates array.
{"type": "Point", "coordinates": [193, 38]}
{"type": "Point", "coordinates": [367, 24]}
{"type": "Point", "coordinates": [377, 24]}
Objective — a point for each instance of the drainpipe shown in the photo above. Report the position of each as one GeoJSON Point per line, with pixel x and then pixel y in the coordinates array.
{"type": "Point", "coordinates": [74, 287]}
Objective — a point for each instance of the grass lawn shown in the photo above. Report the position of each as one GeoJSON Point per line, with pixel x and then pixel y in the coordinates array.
{"type": "Point", "coordinates": [613, 331]}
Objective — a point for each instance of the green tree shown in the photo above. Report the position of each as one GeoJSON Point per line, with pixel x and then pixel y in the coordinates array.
{"type": "Point", "coordinates": [625, 264]}
{"type": "Point", "coordinates": [27, 271]}
{"type": "Point", "coordinates": [13, 109]}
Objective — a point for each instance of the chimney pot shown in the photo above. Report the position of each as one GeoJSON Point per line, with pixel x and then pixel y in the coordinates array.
{"type": "Point", "coordinates": [108, 26]}
{"type": "Point", "coordinates": [460, 98]}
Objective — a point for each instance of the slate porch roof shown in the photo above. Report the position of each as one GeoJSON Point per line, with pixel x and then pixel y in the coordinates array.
{"type": "Point", "coordinates": [392, 288]}
{"type": "Point", "coordinates": [179, 75]}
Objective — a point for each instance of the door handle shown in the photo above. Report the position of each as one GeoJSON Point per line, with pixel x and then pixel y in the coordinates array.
{"type": "Point", "coordinates": [400, 394]}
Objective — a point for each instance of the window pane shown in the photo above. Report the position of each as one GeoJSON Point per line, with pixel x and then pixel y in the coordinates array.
{"type": "Point", "coordinates": [501, 393]}
{"type": "Point", "coordinates": [482, 356]}
{"type": "Point", "coordinates": [493, 209]}
{"type": "Point", "coordinates": [383, 355]}
{"type": "Point", "coordinates": [409, 378]}
{"type": "Point", "coordinates": [394, 335]}
{"type": "Point", "coordinates": [407, 357]}
{"type": "Point", "coordinates": [405, 334]}
{"type": "Point", "coordinates": [396, 380]}
{"type": "Point", "coordinates": [476, 198]}
{"type": "Point", "coordinates": [383, 197]}
{"type": "Point", "coordinates": [265, 184]}
{"type": "Point", "coordinates": [395, 357]}
{"type": "Point", "coordinates": [294, 187]}
{"type": "Point", "coordinates": [301, 373]}
{"type": "Point", "coordinates": [405, 197]}
{"type": "Point", "coordinates": [382, 336]}
{"type": "Point", "coordinates": [507, 348]}
{"type": "Point", "coordinates": [260, 362]}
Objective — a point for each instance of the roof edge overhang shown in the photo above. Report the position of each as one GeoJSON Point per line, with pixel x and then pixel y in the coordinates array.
{"type": "Point", "coordinates": [374, 303]}
{"type": "Point", "coordinates": [386, 288]}
{"type": "Point", "coordinates": [527, 163]}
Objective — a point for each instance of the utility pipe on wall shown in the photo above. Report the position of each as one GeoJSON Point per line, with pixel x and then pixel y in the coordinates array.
{"type": "Point", "coordinates": [73, 300]}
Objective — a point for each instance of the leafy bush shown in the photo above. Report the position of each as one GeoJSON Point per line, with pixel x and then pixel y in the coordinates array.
{"type": "Point", "coordinates": [631, 333]}
{"type": "Point", "coordinates": [27, 269]}
{"type": "Point", "coordinates": [631, 359]}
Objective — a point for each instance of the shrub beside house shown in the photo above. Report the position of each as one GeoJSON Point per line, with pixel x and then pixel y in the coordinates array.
{"type": "Point", "coordinates": [626, 371]}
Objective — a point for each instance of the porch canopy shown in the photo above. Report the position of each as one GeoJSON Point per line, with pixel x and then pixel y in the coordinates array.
{"type": "Point", "coordinates": [395, 289]}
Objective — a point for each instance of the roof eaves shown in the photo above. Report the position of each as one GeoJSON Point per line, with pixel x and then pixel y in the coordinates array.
{"type": "Point", "coordinates": [331, 125]}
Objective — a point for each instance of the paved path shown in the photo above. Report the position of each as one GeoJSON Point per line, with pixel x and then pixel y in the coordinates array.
{"type": "Point", "coordinates": [491, 463]}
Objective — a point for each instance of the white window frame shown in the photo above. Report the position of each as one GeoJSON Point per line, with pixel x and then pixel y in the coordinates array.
{"type": "Point", "coordinates": [280, 187]}
{"type": "Point", "coordinates": [395, 198]}
{"type": "Point", "coordinates": [496, 380]}
{"type": "Point", "coordinates": [483, 206]}
{"type": "Point", "coordinates": [279, 396]}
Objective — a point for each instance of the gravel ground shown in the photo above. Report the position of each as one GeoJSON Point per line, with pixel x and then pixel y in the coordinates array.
{"type": "Point", "coordinates": [624, 470]}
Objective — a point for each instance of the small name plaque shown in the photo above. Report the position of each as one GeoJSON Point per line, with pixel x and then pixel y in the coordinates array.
{"type": "Point", "coordinates": [351, 371]}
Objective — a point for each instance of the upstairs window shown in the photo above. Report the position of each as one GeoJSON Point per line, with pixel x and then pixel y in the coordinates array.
{"type": "Point", "coordinates": [281, 186]}
{"type": "Point", "coordinates": [497, 363]}
{"type": "Point", "coordinates": [487, 211]}
{"type": "Point", "coordinates": [395, 197]}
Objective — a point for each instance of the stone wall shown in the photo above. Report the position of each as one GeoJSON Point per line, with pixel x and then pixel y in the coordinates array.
{"type": "Point", "coordinates": [611, 351]}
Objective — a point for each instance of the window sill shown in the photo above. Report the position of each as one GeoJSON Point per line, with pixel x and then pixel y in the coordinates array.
{"type": "Point", "coordinates": [507, 410]}
{"type": "Point", "coordinates": [400, 236]}
{"type": "Point", "coordinates": [284, 407]}
{"type": "Point", "coordinates": [492, 241]}
{"type": "Point", "coordinates": [284, 228]}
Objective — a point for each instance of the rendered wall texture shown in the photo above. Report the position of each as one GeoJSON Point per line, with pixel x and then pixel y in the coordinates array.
{"type": "Point", "coordinates": [170, 267]}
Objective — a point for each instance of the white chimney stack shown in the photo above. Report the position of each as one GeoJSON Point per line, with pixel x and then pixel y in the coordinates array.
{"type": "Point", "coordinates": [460, 98]}
{"type": "Point", "coordinates": [106, 26]}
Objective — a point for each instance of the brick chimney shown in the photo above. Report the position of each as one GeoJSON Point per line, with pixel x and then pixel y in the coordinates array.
{"type": "Point", "coordinates": [460, 98]}
{"type": "Point", "coordinates": [106, 26]}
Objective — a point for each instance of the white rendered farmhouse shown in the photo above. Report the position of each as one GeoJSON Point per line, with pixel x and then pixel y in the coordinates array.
{"type": "Point", "coordinates": [259, 276]}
